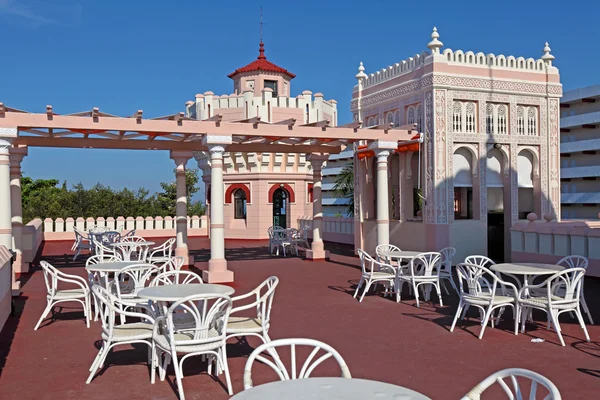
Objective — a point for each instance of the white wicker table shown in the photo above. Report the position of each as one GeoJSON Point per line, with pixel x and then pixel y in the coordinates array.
{"type": "Point", "coordinates": [328, 389]}
{"type": "Point", "coordinates": [401, 255]}
{"type": "Point", "coordinates": [127, 248]}
{"type": "Point", "coordinates": [171, 293]}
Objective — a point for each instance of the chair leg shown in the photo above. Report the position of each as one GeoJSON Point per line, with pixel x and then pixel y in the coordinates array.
{"type": "Point", "coordinates": [178, 376]}
{"type": "Point", "coordinates": [225, 367]}
{"type": "Point", "coordinates": [154, 364]}
{"type": "Point", "coordinates": [516, 313]}
{"type": "Point", "coordinates": [445, 288]}
{"type": "Point", "coordinates": [439, 293]}
{"type": "Point", "coordinates": [580, 319]}
{"type": "Point", "coordinates": [87, 309]}
{"type": "Point", "coordinates": [554, 317]}
{"type": "Point", "coordinates": [99, 361]}
{"type": "Point", "coordinates": [484, 323]}
{"type": "Point", "coordinates": [367, 287]}
{"type": "Point", "coordinates": [586, 309]}
{"type": "Point", "coordinates": [416, 290]}
{"type": "Point", "coordinates": [359, 285]}
{"type": "Point", "coordinates": [165, 364]}
{"type": "Point", "coordinates": [44, 314]}
{"type": "Point", "coordinates": [458, 311]}
{"type": "Point", "coordinates": [465, 311]}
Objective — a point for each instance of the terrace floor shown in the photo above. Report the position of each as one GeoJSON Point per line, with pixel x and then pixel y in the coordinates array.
{"type": "Point", "coordinates": [379, 339]}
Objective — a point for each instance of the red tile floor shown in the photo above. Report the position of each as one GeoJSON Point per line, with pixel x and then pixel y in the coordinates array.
{"type": "Point", "coordinates": [379, 339]}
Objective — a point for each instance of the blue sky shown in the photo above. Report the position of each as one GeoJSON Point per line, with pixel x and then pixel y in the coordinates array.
{"type": "Point", "coordinates": [122, 56]}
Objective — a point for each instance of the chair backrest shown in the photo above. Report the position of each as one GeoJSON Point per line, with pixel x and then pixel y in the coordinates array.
{"type": "Point", "coordinates": [132, 238]}
{"type": "Point", "coordinates": [111, 237]}
{"type": "Point", "coordinates": [131, 251]}
{"type": "Point", "coordinates": [167, 247]}
{"type": "Point", "coordinates": [102, 258]}
{"type": "Point", "coordinates": [136, 275]}
{"type": "Point", "coordinates": [569, 281]}
{"type": "Point", "coordinates": [364, 259]}
{"type": "Point", "coordinates": [110, 306]}
{"type": "Point", "coordinates": [263, 301]}
{"type": "Point", "coordinates": [518, 391]}
{"type": "Point", "coordinates": [482, 261]}
{"type": "Point", "coordinates": [574, 262]}
{"type": "Point", "coordinates": [478, 280]}
{"type": "Point", "coordinates": [385, 248]}
{"type": "Point", "coordinates": [426, 264]}
{"type": "Point", "coordinates": [176, 278]}
{"type": "Point", "coordinates": [307, 367]}
{"type": "Point", "coordinates": [50, 277]}
{"type": "Point", "coordinates": [447, 256]}
{"type": "Point", "coordinates": [207, 314]}
{"type": "Point", "coordinates": [101, 248]}
{"type": "Point", "coordinates": [79, 235]}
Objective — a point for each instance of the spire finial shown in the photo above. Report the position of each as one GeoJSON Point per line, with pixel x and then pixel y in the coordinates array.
{"type": "Point", "coordinates": [261, 50]}
{"type": "Point", "coordinates": [547, 57]}
{"type": "Point", "coordinates": [361, 72]}
{"type": "Point", "coordinates": [435, 44]}
{"type": "Point", "coordinates": [261, 24]}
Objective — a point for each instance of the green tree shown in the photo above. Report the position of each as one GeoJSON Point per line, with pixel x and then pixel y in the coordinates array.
{"type": "Point", "coordinates": [344, 187]}
{"type": "Point", "coordinates": [168, 197]}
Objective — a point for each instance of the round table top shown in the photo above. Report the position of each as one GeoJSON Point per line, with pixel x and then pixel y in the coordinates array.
{"type": "Point", "coordinates": [177, 292]}
{"type": "Point", "coordinates": [328, 389]}
{"type": "Point", "coordinates": [401, 254]}
{"type": "Point", "coordinates": [102, 232]}
{"type": "Point", "coordinates": [146, 243]}
{"type": "Point", "coordinates": [110, 266]}
{"type": "Point", "coordinates": [527, 268]}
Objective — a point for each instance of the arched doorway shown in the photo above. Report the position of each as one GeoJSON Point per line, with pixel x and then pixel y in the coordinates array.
{"type": "Point", "coordinates": [280, 207]}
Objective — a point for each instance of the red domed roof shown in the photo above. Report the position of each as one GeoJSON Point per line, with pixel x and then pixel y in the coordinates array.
{"type": "Point", "coordinates": [262, 64]}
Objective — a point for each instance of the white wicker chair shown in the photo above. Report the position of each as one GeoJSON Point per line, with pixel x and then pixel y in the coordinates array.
{"type": "Point", "coordinates": [279, 367]}
{"type": "Point", "coordinates": [98, 278]}
{"type": "Point", "coordinates": [172, 264]}
{"type": "Point", "coordinates": [102, 249]}
{"type": "Point", "coordinates": [301, 237]}
{"type": "Point", "coordinates": [131, 251]}
{"type": "Point", "coordinates": [279, 238]}
{"type": "Point", "coordinates": [79, 294]}
{"type": "Point", "coordinates": [176, 278]}
{"type": "Point", "coordinates": [162, 253]}
{"type": "Point", "coordinates": [385, 248]}
{"type": "Point", "coordinates": [258, 324]}
{"type": "Point", "coordinates": [423, 270]}
{"type": "Point", "coordinates": [563, 291]}
{"type": "Point", "coordinates": [205, 336]}
{"type": "Point", "coordinates": [480, 290]}
{"type": "Point", "coordinates": [114, 334]}
{"type": "Point", "coordinates": [128, 282]}
{"type": "Point", "coordinates": [578, 262]}
{"type": "Point", "coordinates": [517, 391]}
{"type": "Point", "coordinates": [82, 242]}
{"type": "Point", "coordinates": [446, 268]}
{"type": "Point", "coordinates": [373, 271]}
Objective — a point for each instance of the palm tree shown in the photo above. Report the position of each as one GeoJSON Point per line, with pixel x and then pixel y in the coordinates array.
{"type": "Point", "coordinates": [344, 187]}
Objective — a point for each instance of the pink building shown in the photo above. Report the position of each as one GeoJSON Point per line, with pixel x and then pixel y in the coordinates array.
{"type": "Point", "coordinates": [263, 189]}
{"type": "Point", "coordinates": [489, 157]}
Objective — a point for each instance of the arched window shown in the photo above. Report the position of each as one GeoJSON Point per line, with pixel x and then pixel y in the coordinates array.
{"type": "Point", "coordinates": [457, 117]}
{"type": "Point", "coordinates": [419, 118]}
{"type": "Point", "coordinates": [389, 118]}
{"type": "Point", "coordinates": [532, 121]}
{"type": "Point", "coordinates": [502, 119]}
{"type": "Point", "coordinates": [410, 116]}
{"type": "Point", "coordinates": [489, 119]}
{"type": "Point", "coordinates": [520, 120]}
{"type": "Point", "coordinates": [470, 118]}
{"type": "Point", "coordinates": [397, 118]}
{"type": "Point", "coordinates": [240, 204]}
{"type": "Point", "coordinates": [370, 121]}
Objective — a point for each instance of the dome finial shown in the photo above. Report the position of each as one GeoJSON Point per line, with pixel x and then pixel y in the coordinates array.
{"type": "Point", "coordinates": [361, 72]}
{"type": "Point", "coordinates": [435, 44]}
{"type": "Point", "coordinates": [261, 51]}
{"type": "Point", "coordinates": [547, 57]}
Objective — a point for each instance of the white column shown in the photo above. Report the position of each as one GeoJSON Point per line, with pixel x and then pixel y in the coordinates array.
{"type": "Point", "coordinates": [181, 158]}
{"type": "Point", "coordinates": [383, 198]}
{"type": "Point", "coordinates": [6, 137]}
{"type": "Point", "coordinates": [16, 156]}
{"type": "Point", "coordinates": [217, 265]}
{"type": "Point", "coordinates": [317, 251]}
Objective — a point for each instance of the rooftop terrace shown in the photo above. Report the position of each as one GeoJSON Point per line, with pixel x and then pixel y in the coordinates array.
{"type": "Point", "coordinates": [378, 338]}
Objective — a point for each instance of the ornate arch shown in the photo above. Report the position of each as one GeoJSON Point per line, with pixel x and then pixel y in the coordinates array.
{"type": "Point", "coordinates": [473, 151]}
{"type": "Point", "coordinates": [232, 188]}
{"type": "Point", "coordinates": [286, 187]}
{"type": "Point", "coordinates": [536, 157]}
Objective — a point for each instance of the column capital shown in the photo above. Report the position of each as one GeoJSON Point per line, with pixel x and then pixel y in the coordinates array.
{"type": "Point", "coordinates": [7, 135]}
{"type": "Point", "coordinates": [383, 145]}
{"type": "Point", "coordinates": [222, 140]}
{"type": "Point", "coordinates": [316, 160]}
{"type": "Point", "coordinates": [181, 157]}
{"type": "Point", "coordinates": [16, 155]}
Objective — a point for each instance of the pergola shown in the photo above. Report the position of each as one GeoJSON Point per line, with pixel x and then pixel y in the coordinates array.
{"type": "Point", "coordinates": [182, 136]}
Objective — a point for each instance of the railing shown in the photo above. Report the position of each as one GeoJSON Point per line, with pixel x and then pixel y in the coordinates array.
{"type": "Point", "coordinates": [548, 242]}
{"type": "Point", "coordinates": [5, 285]}
{"type": "Point", "coordinates": [334, 229]}
{"type": "Point", "coordinates": [63, 229]}
{"type": "Point", "coordinates": [33, 236]}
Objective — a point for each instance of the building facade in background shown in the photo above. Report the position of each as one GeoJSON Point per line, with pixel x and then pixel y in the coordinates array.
{"type": "Point", "coordinates": [263, 189]}
{"type": "Point", "coordinates": [580, 153]}
{"type": "Point", "coordinates": [489, 157]}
